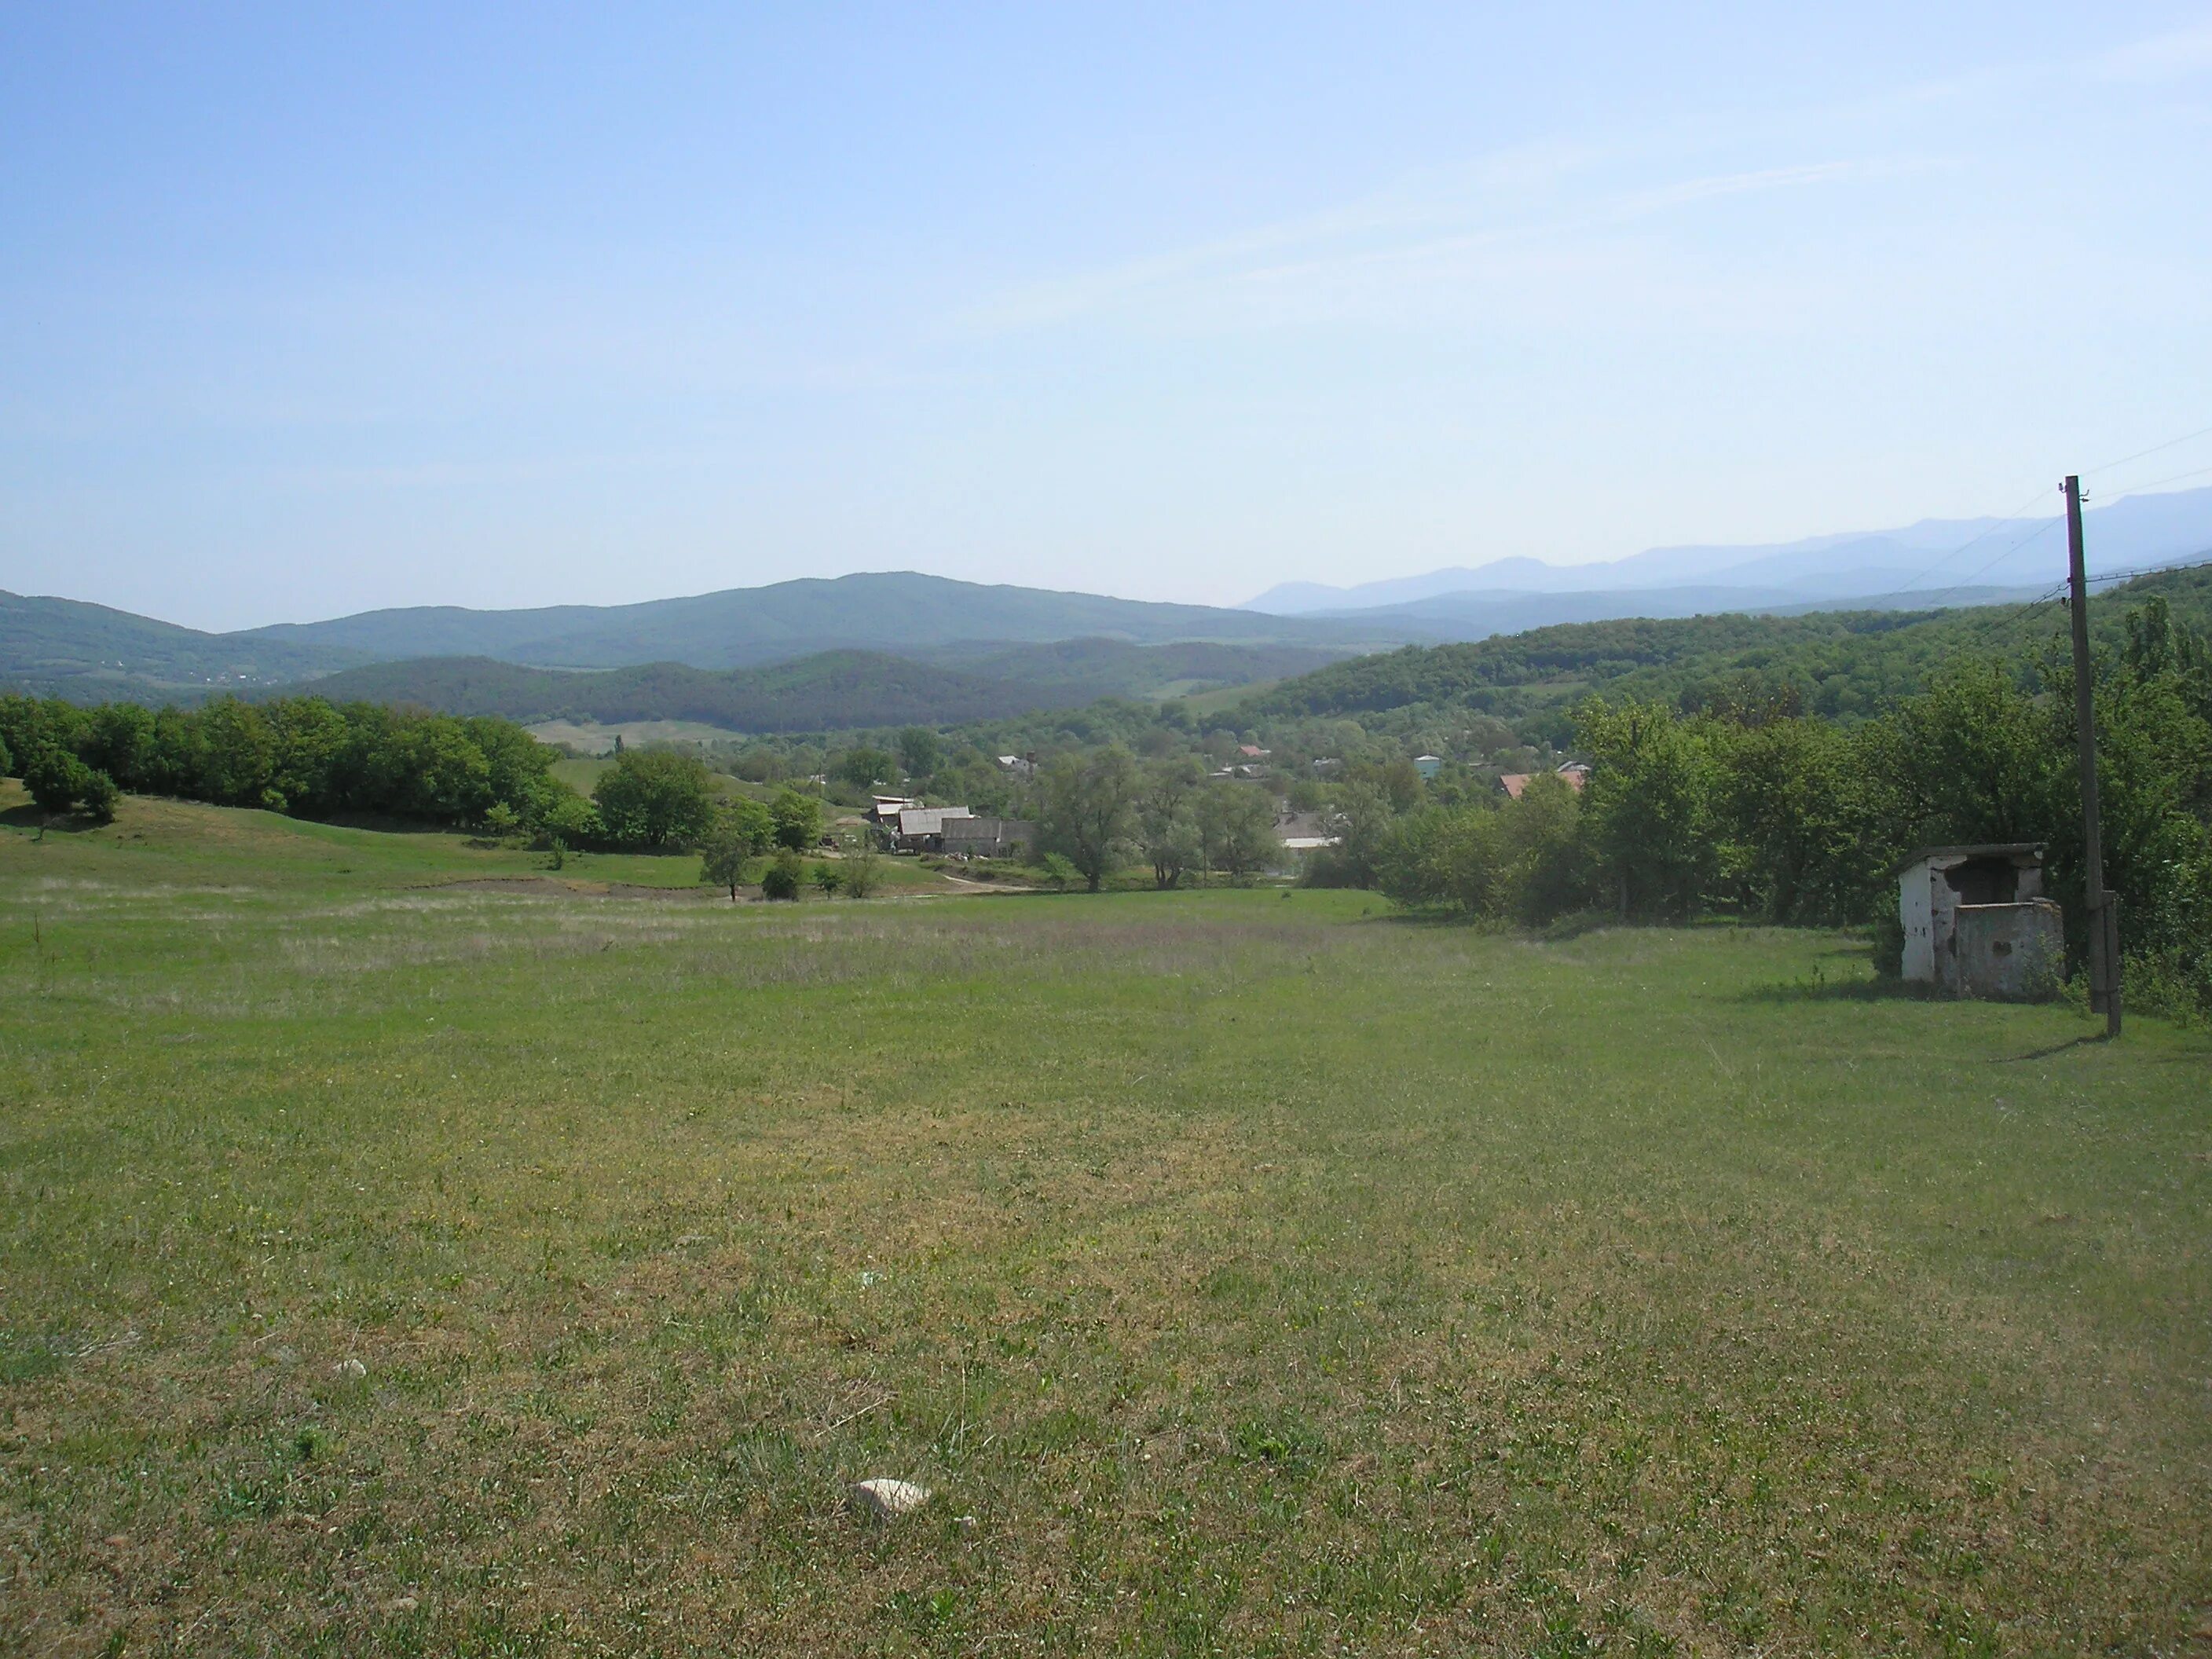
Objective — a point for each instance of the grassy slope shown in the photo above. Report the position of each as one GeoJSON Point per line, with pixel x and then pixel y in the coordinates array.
{"type": "Point", "coordinates": [594, 738]}
{"type": "Point", "coordinates": [179, 843]}
{"type": "Point", "coordinates": [583, 774]}
{"type": "Point", "coordinates": [169, 842]}
{"type": "Point", "coordinates": [1115, 668]}
{"type": "Point", "coordinates": [1257, 1274]}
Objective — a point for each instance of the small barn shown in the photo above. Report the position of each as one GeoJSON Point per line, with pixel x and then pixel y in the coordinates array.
{"type": "Point", "coordinates": [921, 829]}
{"type": "Point", "coordinates": [984, 837]}
{"type": "Point", "coordinates": [1976, 922]}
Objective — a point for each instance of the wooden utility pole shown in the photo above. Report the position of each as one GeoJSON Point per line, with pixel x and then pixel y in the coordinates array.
{"type": "Point", "coordinates": [2104, 920]}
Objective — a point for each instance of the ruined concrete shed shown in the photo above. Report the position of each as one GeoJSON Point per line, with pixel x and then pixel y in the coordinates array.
{"type": "Point", "coordinates": [1976, 922]}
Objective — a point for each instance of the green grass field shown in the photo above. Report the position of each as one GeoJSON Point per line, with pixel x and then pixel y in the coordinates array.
{"type": "Point", "coordinates": [594, 738]}
{"type": "Point", "coordinates": [1247, 1274]}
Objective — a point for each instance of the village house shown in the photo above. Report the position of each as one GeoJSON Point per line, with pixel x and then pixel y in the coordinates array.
{"type": "Point", "coordinates": [1302, 832]}
{"type": "Point", "coordinates": [1515, 783]}
{"type": "Point", "coordinates": [908, 826]}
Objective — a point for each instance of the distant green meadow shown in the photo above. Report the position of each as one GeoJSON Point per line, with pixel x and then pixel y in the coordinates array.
{"type": "Point", "coordinates": [393, 1261]}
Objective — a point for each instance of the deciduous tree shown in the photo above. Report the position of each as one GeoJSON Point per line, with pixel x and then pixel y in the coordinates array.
{"type": "Point", "coordinates": [1166, 827]}
{"type": "Point", "coordinates": [1236, 828]}
{"type": "Point", "coordinates": [741, 833]}
{"type": "Point", "coordinates": [796, 819]}
{"type": "Point", "coordinates": [655, 797]}
{"type": "Point", "coordinates": [1088, 802]}
{"type": "Point", "coordinates": [1647, 807]}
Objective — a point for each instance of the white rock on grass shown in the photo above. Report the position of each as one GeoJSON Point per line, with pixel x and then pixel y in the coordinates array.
{"type": "Point", "coordinates": [350, 1371]}
{"type": "Point", "coordinates": [887, 1499]}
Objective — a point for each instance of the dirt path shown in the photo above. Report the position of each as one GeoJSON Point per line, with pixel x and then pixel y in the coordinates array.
{"type": "Point", "coordinates": [966, 885]}
{"type": "Point", "coordinates": [565, 887]}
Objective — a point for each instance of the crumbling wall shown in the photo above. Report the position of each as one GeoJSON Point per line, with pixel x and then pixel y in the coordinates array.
{"type": "Point", "coordinates": [2007, 952]}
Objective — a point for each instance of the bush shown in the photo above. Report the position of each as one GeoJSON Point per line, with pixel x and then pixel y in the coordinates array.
{"type": "Point", "coordinates": [828, 878]}
{"type": "Point", "coordinates": [564, 818]}
{"type": "Point", "coordinates": [1889, 952]}
{"type": "Point", "coordinates": [863, 871]}
{"type": "Point", "coordinates": [2167, 983]}
{"type": "Point", "coordinates": [60, 782]}
{"type": "Point", "coordinates": [99, 796]}
{"type": "Point", "coordinates": [781, 879]}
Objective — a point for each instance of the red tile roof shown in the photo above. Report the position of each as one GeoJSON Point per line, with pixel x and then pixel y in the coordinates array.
{"type": "Point", "coordinates": [1514, 782]}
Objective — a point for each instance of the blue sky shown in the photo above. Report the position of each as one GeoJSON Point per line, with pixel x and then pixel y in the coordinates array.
{"type": "Point", "coordinates": [501, 306]}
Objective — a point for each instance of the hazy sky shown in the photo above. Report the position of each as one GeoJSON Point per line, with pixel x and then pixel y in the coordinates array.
{"type": "Point", "coordinates": [449, 303]}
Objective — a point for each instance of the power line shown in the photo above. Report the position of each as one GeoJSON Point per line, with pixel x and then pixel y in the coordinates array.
{"type": "Point", "coordinates": [1991, 529]}
{"type": "Point", "coordinates": [2057, 592]}
{"type": "Point", "coordinates": [2047, 525]}
{"type": "Point", "coordinates": [2149, 570]}
{"type": "Point", "coordinates": [2141, 488]}
{"type": "Point", "coordinates": [2043, 529]}
{"type": "Point", "coordinates": [2170, 443]}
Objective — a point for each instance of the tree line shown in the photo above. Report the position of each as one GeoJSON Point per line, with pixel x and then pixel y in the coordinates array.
{"type": "Point", "coordinates": [312, 758]}
{"type": "Point", "coordinates": [1847, 666]}
{"type": "Point", "coordinates": [1101, 807]}
{"type": "Point", "coordinates": [303, 755]}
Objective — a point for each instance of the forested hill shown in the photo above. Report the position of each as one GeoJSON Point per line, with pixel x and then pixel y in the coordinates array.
{"type": "Point", "coordinates": [1084, 642]}
{"type": "Point", "coordinates": [87, 652]}
{"type": "Point", "coordinates": [1844, 664]}
{"type": "Point", "coordinates": [893, 610]}
{"type": "Point", "coordinates": [831, 690]}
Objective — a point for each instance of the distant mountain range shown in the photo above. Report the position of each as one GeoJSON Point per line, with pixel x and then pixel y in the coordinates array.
{"type": "Point", "coordinates": [1935, 563]}
{"type": "Point", "coordinates": [88, 652]}
{"type": "Point", "coordinates": [1482, 613]}
{"type": "Point", "coordinates": [901, 611]}
{"type": "Point", "coordinates": [893, 647]}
